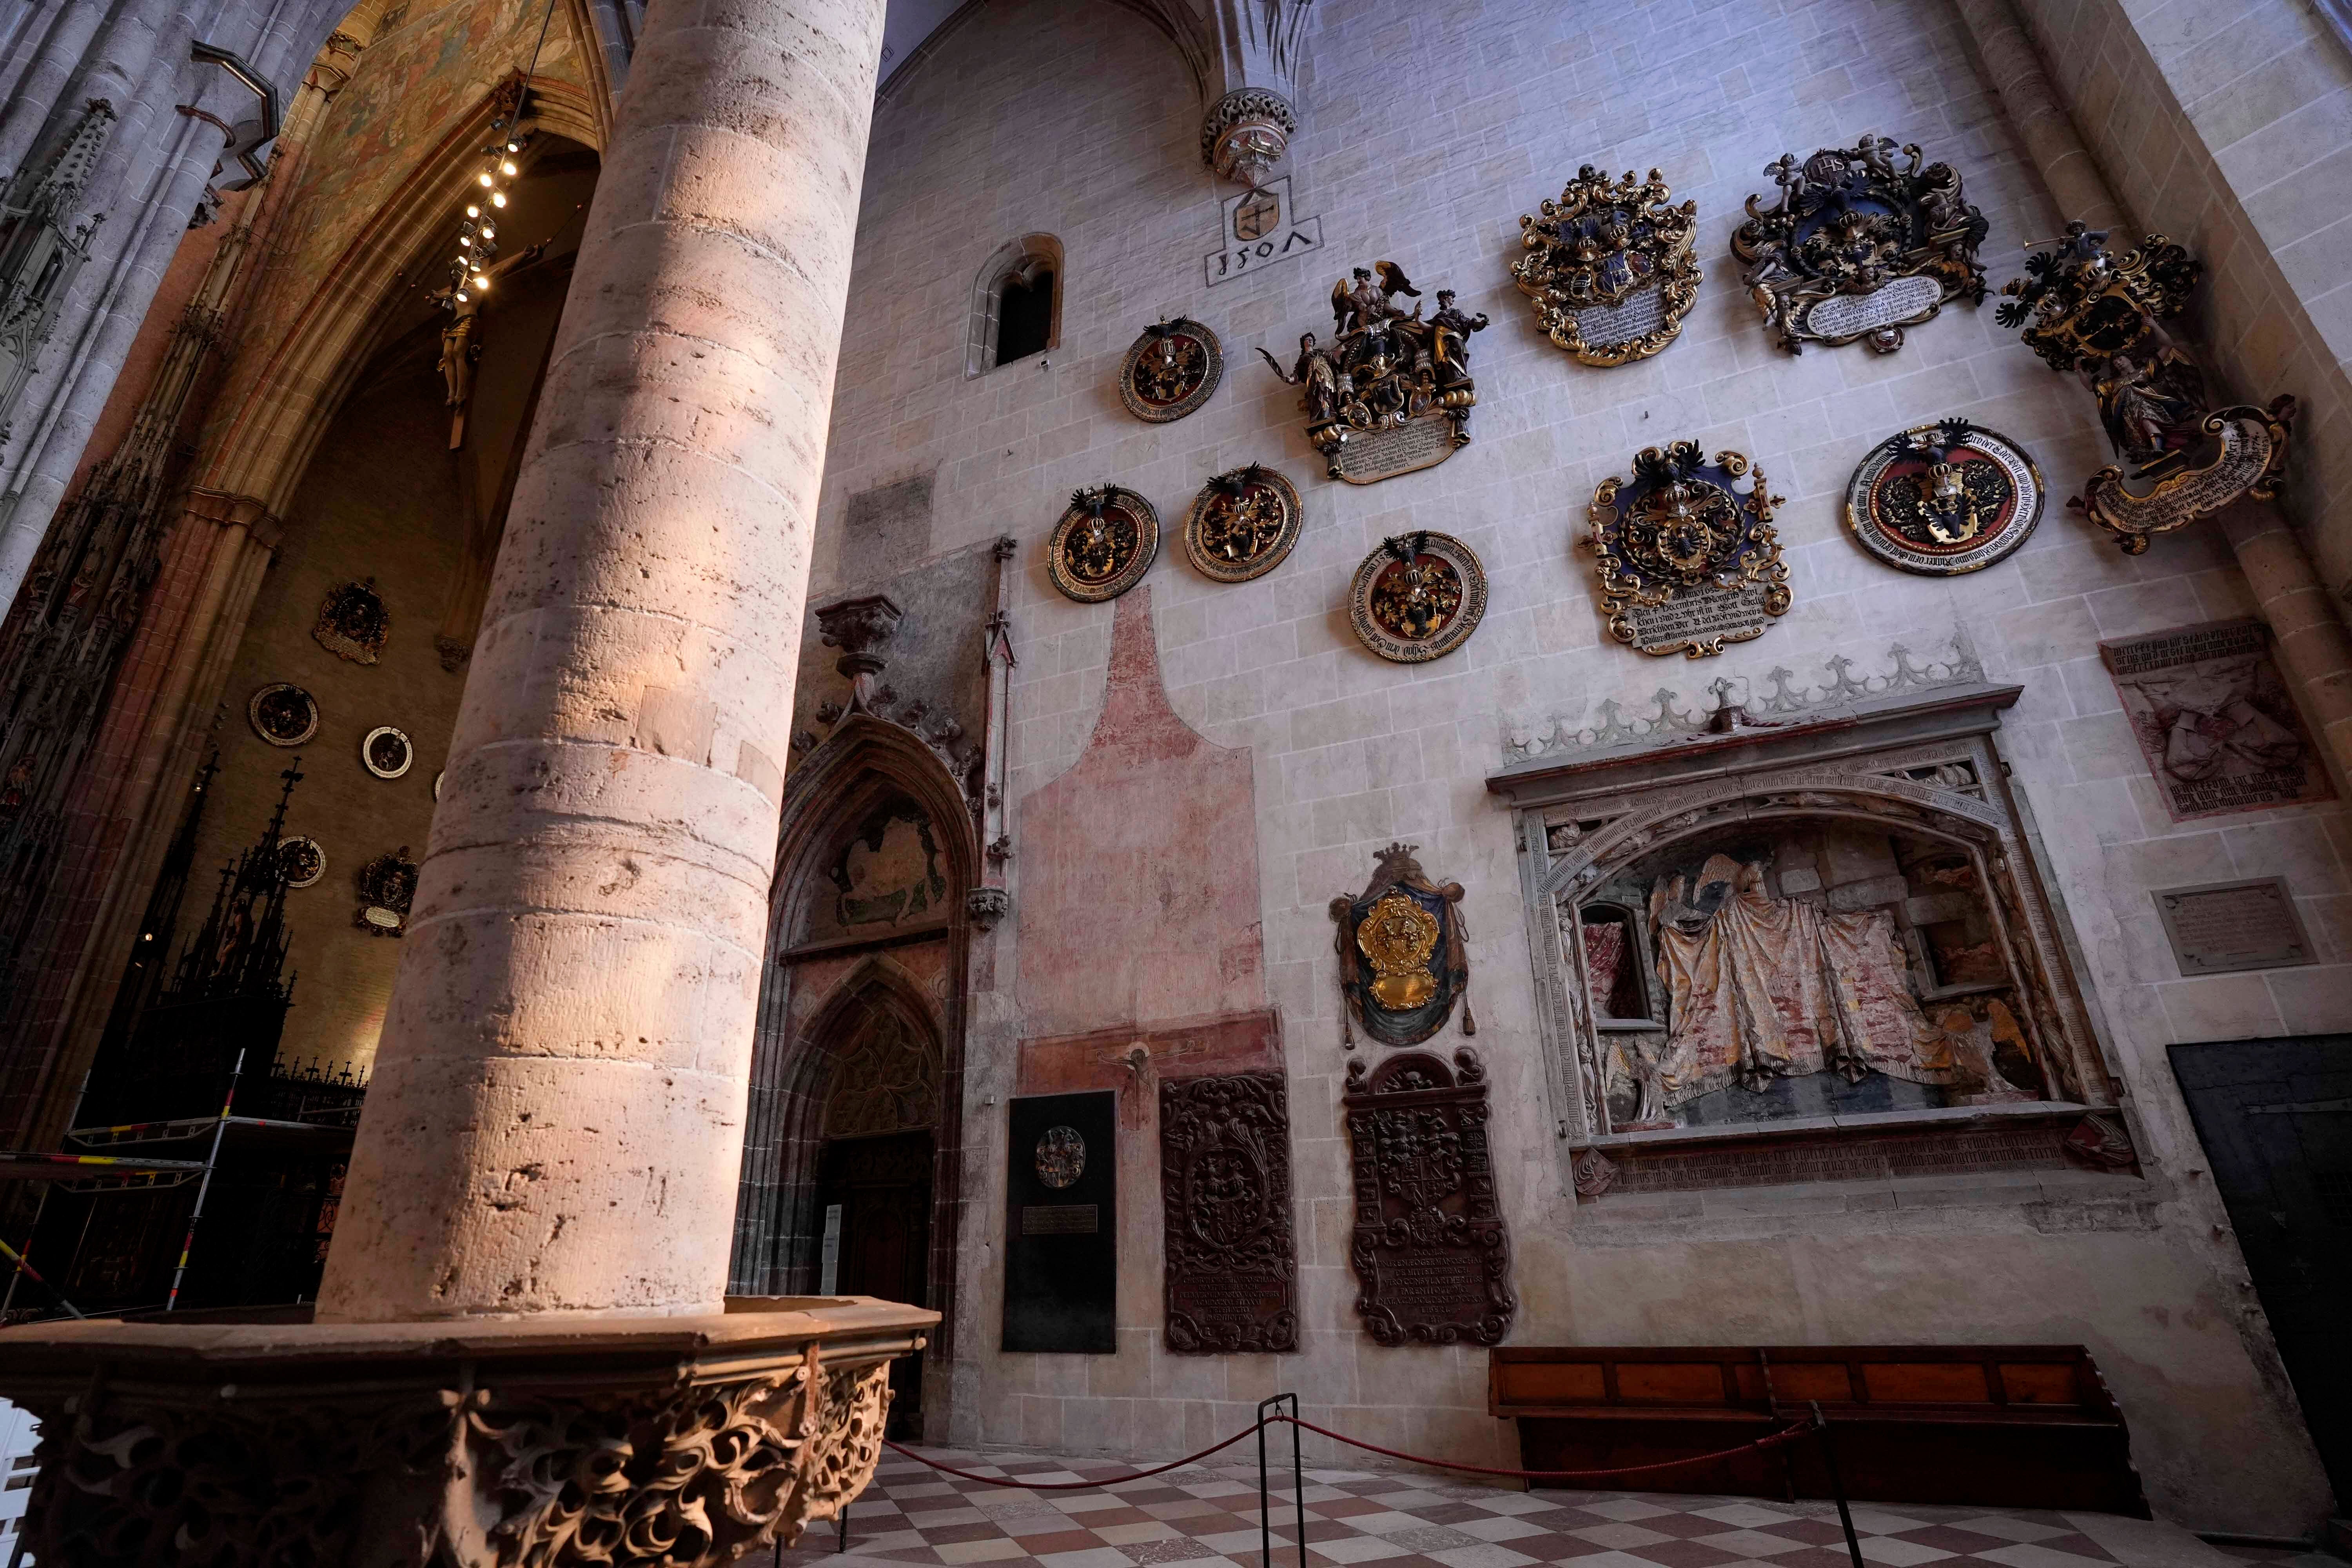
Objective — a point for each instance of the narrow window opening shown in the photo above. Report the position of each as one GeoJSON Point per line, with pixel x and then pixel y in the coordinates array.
{"type": "Point", "coordinates": [1025, 318]}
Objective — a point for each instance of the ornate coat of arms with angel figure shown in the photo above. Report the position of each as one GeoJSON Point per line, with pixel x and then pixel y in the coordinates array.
{"type": "Point", "coordinates": [1858, 248]}
{"type": "Point", "coordinates": [1402, 959]}
{"type": "Point", "coordinates": [1392, 392]}
{"type": "Point", "coordinates": [2100, 315]}
{"type": "Point", "coordinates": [1687, 563]}
{"type": "Point", "coordinates": [1609, 267]}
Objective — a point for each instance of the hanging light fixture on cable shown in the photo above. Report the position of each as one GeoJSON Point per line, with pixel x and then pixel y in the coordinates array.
{"type": "Point", "coordinates": [478, 233]}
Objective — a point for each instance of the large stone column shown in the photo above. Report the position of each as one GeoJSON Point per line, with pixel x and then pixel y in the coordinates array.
{"type": "Point", "coordinates": [558, 1105]}
{"type": "Point", "coordinates": [2313, 650]}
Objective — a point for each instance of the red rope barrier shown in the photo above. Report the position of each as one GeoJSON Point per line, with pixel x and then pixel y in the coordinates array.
{"type": "Point", "coordinates": [1069, 1486]}
{"type": "Point", "coordinates": [1786, 1434]}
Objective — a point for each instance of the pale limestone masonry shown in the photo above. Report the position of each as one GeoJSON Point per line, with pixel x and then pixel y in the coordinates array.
{"type": "Point", "coordinates": [557, 1115]}
{"type": "Point", "coordinates": [1426, 131]}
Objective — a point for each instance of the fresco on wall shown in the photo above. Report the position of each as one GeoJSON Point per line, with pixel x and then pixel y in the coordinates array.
{"type": "Point", "coordinates": [888, 875]}
{"type": "Point", "coordinates": [1821, 969]}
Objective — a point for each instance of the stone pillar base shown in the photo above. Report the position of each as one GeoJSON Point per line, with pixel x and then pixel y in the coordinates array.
{"type": "Point", "coordinates": [546, 1442]}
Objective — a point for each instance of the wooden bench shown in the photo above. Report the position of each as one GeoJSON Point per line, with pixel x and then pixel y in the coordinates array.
{"type": "Point", "coordinates": [2015, 1425]}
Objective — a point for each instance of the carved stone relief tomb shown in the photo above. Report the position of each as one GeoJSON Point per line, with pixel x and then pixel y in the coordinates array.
{"type": "Point", "coordinates": [1829, 926]}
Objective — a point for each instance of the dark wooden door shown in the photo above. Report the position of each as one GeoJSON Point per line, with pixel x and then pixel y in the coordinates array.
{"type": "Point", "coordinates": [2275, 1118]}
{"type": "Point", "coordinates": [884, 1188]}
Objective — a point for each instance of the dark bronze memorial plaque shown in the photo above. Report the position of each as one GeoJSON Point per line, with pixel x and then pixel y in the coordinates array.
{"type": "Point", "coordinates": [1061, 1241]}
{"type": "Point", "coordinates": [1232, 1281]}
{"type": "Point", "coordinates": [1431, 1257]}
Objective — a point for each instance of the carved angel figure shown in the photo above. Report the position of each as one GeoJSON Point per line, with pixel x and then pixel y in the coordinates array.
{"type": "Point", "coordinates": [1317, 376]}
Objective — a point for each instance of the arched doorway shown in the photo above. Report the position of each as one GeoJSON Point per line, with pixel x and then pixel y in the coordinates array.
{"type": "Point", "coordinates": [880, 1049]}
{"type": "Point", "coordinates": [854, 1141]}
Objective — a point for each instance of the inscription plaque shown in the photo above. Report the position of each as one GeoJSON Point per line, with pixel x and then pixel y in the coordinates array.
{"type": "Point", "coordinates": [1366, 457]}
{"type": "Point", "coordinates": [1232, 1275]}
{"type": "Point", "coordinates": [1734, 614]}
{"type": "Point", "coordinates": [1061, 1261]}
{"type": "Point", "coordinates": [1432, 1261]}
{"type": "Point", "coordinates": [2214, 720]}
{"type": "Point", "coordinates": [2222, 927]}
{"type": "Point", "coordinates": [1905, 303]}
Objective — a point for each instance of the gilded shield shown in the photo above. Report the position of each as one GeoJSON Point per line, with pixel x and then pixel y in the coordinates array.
{"type": "Point", "coordinates": [1609, 267]}
{"type": "Point", "coordinates": [1403, 959]}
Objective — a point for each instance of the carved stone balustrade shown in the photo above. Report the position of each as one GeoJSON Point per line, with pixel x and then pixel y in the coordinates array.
{"type": "Point", "coordinates": [693, 1440]}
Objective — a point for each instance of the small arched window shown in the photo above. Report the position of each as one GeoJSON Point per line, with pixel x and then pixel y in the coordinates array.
{"type": "Point", "coordinates": [1016, 304]}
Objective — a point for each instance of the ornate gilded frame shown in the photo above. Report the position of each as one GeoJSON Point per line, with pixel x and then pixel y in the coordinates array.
{"type": "Point", "coordinates": [1609, 267]}
{"type": "Point", "coordinates": [1109, 524]}
{"type": "Point", "coordinates": [1858, 248]}
{"type": "Point", "coordinates": [1686, 563]}
{"type": "Point", "coordinates": [1364, 614]}
{"type": "Point", "coordinates": [1251, 485]}
{"type": "Point", "coordinates": [1166, 341]}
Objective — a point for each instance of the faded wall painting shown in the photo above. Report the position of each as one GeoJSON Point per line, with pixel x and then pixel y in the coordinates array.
{"type": "Point", "coordinates": [888, 875]}
{"type": "Point", "coordinates": [2214, 720]}
{"type": "Point", "coordinates": [1816, 969]}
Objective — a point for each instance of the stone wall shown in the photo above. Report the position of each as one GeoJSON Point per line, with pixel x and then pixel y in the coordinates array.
{"type": "Point", "coordinates": [1426, 131]}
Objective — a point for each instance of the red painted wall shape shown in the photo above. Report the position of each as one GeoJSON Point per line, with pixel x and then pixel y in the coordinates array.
{"type": "Point", "coordinates": [1138, 894]}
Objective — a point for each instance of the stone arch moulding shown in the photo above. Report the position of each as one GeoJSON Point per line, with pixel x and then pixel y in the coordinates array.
{"type": "Point", "coordinates": [1922, 768]}
{"type": "Point", "coordinates": [284, 407]}
{"type": "Point", "coordinates": [1030, 251]}
{"type": "Point", "coordinates": [864, 763]}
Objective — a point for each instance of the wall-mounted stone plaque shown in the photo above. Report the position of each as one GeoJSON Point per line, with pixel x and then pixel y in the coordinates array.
{"type": "Point", "coordinates": [1431, 1258]}
{"type": "Point", "coordinates": [2215, 721]}
{"type": "Point", "coordinates": [1061, 1235]}
{"type": "Point", "coordinates": [1232, 1279]}
{"type": "Point", "coordinates": [2222, 927]}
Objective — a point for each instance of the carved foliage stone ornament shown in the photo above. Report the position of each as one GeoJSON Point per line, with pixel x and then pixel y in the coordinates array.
{"type": "Point", "coordinates": [1171, 371]}
{"type": "Point", "coordinates": [283, 714]}
{"type": "Point", "coordinates": [1245, 133]}
{"type": "Point", "coordinates": [388, 886]}
{"type": "Point", "coordinates": [1944, 499]}
{"type": "Point", "coordinates": [1859, 247]}
{"type": "Point", "coordinates": [1418, 597]}
{"type": "Point", "coordinates": [354, 623]}
{"type": "Point", "coordinates": [598, 1470]}
{"type": "Point", "coordinates": [1609, 267]}
{"type": "Point", "coordinates": [1687, 563]}
{"type": "Point", "coordinates": [1104, 544]}
{"type": "Point", "coordinates": [1391, 393]}
{"type": "Point", "coordinates": [2100, 315]}
{"type": "Point", "coordinates": [1404, 958]}
{"type": "Point", "coordinates": [1432, 1261]}
{"type": "Point", "coordinates": [1242, 524]}
{"type": "Point", "coordinates": [1232, 1275]}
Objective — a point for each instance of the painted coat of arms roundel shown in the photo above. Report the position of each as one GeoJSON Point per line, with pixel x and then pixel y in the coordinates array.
{"type": "Point", "coordinates": [1417, 597]}
{"type": "Point", "coordinates": [1171, 371]}
{"type": "Point", "coordinates": [1241, 525]}
{"type": "Point", "coordinates": [1104, 544]}
{"type": "Point", "coordinates": [1403, 962]}
{"type": "Point", "coordinates": [1944, 499]}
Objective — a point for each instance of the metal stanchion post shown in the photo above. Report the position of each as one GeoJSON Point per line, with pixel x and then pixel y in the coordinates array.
{"type": "Point", "coordinates": [1837, 1484]}
{"type": "Point", "coordinates": [1297, 1482]}
{"type": "Point", "coordinates": [840, 1543]}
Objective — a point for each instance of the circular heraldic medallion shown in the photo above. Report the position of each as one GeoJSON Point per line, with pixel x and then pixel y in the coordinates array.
{"type": "Point", "coordinates": [283, 714]}
{"type": "Point", "coordinates": [1104, 544]}
{"type": "Point", "coordinates": [1418, 597]}
{"type": "Point", "coordinates": [1944, 499]}
{"type": "Point", "coordinates": [1061, 1156]}
{"type": "Point", "coordinates": [386, 752]}
{"type": "Point", "coordinates": [300, 861]}
{"type": "Point", "coordinates": [1171, 371]}
{"type": "Point", "coordinates": [1242, 524]}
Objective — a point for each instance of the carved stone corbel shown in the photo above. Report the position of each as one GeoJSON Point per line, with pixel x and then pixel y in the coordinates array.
{"type": "Point", "coordinates": [1247, 130]}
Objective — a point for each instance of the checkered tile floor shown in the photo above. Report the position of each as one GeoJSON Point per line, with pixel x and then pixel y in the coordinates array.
{"type": "Point", "coordinates": [1206, 1516]}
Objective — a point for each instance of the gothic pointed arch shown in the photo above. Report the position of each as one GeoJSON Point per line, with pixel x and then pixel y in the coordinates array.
{"type": "Point", "coordinates": [862, 997]}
